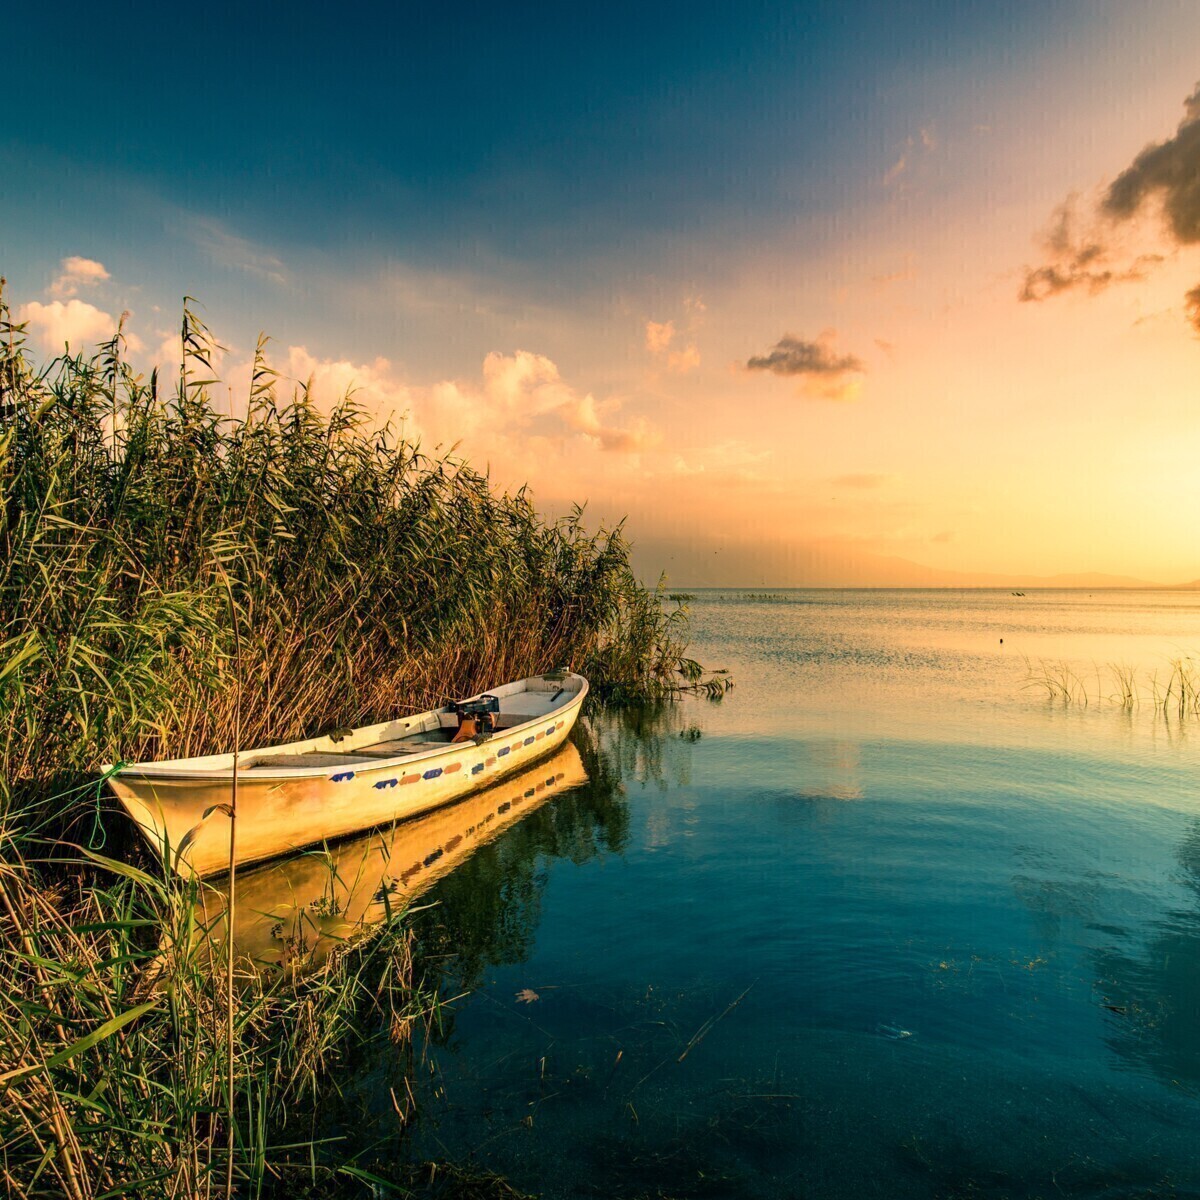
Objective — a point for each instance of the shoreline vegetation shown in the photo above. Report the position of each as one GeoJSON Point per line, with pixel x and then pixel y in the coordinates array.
{"type": "Point", "coordinates": [171, 575]}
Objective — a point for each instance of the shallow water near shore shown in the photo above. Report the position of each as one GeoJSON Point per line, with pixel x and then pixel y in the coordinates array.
{"type": "Point", "coordinates": [882, 923]}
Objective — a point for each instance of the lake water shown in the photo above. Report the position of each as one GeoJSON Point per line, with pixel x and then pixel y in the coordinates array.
{"type": "Point", "coordinates": [884, 922]}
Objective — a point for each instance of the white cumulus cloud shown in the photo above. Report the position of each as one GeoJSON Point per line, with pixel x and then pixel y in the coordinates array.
{"type": "Point", "coordinates": [75, 274]}
{"type": "Point", "coordinates": [74, 322]}
{"type": "Point", "coordinates": [372, 385]}
{"type": "Point", "coordinates": [519, 402]}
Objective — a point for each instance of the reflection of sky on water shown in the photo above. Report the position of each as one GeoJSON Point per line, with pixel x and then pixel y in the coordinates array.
{"type": "Point", "coordinates": [879, 924]}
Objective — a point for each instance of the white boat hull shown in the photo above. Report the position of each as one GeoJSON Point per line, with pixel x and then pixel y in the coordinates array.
{"type": "Point", "coordinates": [322, 789]}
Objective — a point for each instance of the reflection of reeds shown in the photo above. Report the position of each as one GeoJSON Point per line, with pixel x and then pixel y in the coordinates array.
{"type": "Point", "coordinates": [713, 684]}
{"type": "Point", "coordinates": [1059, 679]}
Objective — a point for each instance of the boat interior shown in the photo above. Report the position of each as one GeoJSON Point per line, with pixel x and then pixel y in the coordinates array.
{"type": "Point", "coordinates": [429, 731]}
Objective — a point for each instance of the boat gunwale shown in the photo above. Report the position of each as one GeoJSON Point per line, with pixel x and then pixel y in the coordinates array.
{"type": "Point", "coordinates": [171, 770]}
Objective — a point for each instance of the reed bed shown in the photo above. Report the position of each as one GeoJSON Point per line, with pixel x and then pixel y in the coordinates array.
{"type": "Point", "coordinates": [173, 581]}
{"type": "Point", "coordinates": [114, 1032]}
{"type": "Point", "coordinates": [366, 577]}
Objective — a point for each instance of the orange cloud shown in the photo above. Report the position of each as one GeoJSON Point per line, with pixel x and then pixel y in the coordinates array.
{"type": "Point", "coordinates": [659, 335]}
{"type": "Point", "coordinates": [683, 360]}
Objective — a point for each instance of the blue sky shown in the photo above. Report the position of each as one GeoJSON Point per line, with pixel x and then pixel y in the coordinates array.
{"type": "Point", "coordinates": [400, 192]}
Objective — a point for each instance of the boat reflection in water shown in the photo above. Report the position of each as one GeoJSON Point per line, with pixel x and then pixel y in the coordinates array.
{"type": "Point", "coordinates": [293, 912]}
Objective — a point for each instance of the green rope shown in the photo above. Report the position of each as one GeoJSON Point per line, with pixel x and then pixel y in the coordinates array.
{"type": "Point", "coordinates": [97, 823]}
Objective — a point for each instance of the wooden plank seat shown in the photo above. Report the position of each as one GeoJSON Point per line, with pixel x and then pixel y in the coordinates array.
{"type": "Point", "coordinates": [304, 759]}
{"type": "Point", "coordinates": [401, 746]}
{"type": "Point", "coordinates": [346, 758]}
{"type": "Point", "coordinates": [528, 706]}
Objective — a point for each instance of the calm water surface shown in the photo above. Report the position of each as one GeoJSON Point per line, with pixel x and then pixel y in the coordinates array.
{"type": "Point", "coordinates": [882, 923]}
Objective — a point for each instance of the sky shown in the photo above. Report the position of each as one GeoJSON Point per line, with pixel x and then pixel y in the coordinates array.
{"type": "Point", "coordinates": [808, 293]}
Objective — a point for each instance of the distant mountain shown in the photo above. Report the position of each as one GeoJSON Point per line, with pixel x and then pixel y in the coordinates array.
{"type": "Point", "coordinates": [689, 563]}
{"type": "Point", "coordinates": [1092, 579]}
{"type": "Point", "coordinates": [916, 575]}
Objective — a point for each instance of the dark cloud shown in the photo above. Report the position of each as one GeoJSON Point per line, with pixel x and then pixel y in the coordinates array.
{"type": "Point", "coordinates": [1191, 305]}
{"type": "Point", "coordinates": [1169, 169]}
{"type": "Point", "coordinates": [1042, 282]}
{"type": "Point", "coordinates": [1080, 259]}
{"type": "Point", "coordinates": [794, 356]}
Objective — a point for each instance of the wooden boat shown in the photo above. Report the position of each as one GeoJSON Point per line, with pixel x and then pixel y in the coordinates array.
{"type": "Point", "coordinates": [290, 913]}
{"type": "Point", "coordinates": [321, 789]}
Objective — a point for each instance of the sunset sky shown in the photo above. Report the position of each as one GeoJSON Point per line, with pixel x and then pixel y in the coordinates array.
{"type": "Point", "coordinates": [800, 289]}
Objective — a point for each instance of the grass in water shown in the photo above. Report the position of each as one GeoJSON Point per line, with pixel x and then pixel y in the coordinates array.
{"type": "Point", "coordinates": [141, 531]}
{"type": "Point", "coordinates": [1119, 683]}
